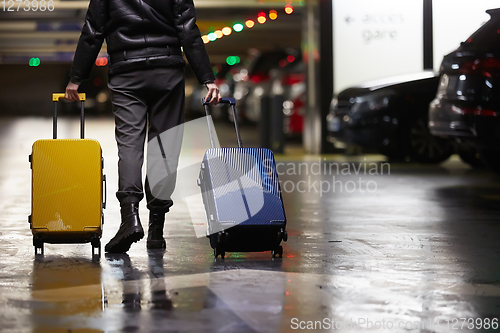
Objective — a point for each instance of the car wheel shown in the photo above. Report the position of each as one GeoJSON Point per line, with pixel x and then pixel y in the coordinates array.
{"type": "Point", "coordinates": [491, 159]}
{"type": "Point", "coordinates": [471, 156]}
{"type": "Point", "coordinates": [425, 147]}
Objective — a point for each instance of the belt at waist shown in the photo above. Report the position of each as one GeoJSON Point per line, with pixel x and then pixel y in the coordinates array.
{"type": "Point", "coordinates": [145, 52]}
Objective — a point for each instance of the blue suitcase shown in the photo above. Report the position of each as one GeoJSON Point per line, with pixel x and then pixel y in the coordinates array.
{"type": "Point", "coordinates": [242, 197]}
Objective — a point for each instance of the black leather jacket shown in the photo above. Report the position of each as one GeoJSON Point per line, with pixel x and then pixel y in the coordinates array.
{"type": "Point", "coordinates": [141, 34]}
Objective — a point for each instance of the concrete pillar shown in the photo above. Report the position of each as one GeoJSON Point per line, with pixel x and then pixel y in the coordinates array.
{"type": "Point", "coordinates": [318, 55]}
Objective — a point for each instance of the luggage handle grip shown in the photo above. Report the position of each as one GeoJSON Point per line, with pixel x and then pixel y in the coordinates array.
{"type": "Point", "coordinates": [229, 100]}
{"type": "Point", "coordinates": [105, 191]}
{"type": "Point", "coordinates": [232, 102]}
{"type": "Point", "coordinates": [55, 98]}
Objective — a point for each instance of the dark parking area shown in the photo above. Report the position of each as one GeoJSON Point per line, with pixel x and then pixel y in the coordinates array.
{"type": "Point", "coordinates": [348, 181]}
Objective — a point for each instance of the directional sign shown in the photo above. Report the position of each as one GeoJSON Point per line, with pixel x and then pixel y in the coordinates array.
{"type": "Point", "coordinates": [376, 39]}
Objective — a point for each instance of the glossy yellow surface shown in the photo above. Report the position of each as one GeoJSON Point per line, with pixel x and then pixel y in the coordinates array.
{"type": "Point", "coordinates": [66, 186]}
{"type": "Point", "coordinates": [57, 96]}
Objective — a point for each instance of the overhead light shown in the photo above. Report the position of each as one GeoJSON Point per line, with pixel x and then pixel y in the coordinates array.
{"type": "Point", "coordinates": [232, 60]}
{"type": "Point", "coordinates": [238, 27]}
{"type": "Point", "coordinates": [101, 61]}
{"type": "Point", "coordinates": [249, 23]}
{"type": "Point", "coordinates": [34, 62]}
{"type": "Point", "coordinates": [212, 36]}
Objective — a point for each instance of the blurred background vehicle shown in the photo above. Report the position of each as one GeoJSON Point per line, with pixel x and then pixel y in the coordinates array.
{"type": "Point", "coordinates": [195, 92]}
{"type": "Point", "coordinates": [389, 116]}
{"type": "Point", "coordinates": [290, 85]}
{"type": "Point", "coordinates": [467, 104]}
{"type": "Point", "coordinates": [255, 82]}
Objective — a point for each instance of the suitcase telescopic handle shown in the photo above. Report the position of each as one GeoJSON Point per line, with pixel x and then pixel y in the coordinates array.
{"type": "Point", "coordinates": [232, 103]}
{"type": "Point", "coordinates": [55, 98]}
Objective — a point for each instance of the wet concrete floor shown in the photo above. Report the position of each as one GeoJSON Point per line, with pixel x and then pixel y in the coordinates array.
{"type": "Point", "coordinates": [373, 246]}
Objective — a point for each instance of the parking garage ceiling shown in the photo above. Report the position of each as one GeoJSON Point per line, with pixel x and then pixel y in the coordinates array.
{"type": "Point", "coordinates": [25, 34]}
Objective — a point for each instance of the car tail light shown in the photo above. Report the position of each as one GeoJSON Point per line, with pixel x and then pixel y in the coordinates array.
{"type": "Point", "coordinates": [294, 123]}
{"type": "Point", "coordinates": [478, 111]}
{"type": "Point", "coordinates": [487, 67]}
{"type": "Point", "coordinates": [298, 104]}
{"type": "Point", "coordinates": [485, 113]}
{"type": "Point", "coordinates": [259, 77]}
{"type": "Point", "coordinates": [293, 79]}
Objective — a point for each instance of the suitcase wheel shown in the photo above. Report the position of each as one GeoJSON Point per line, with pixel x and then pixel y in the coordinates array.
{"type": "Point", "coordinates": [96, 245]}
{"type": "Point", "coordinates": [217, 242]}
{"type": "Point", "coordinates": [219, 251]}
{"type": "Point", "coordinates": [282, 236]}
{"type": "Point", "coordinates": [38, 244]}
{"type": "Point", "coordinates": [278, 252]}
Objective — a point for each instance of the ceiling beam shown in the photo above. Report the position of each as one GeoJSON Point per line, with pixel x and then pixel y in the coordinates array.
{"type": "Point", "coordinates": [73, 35]}
{"type": "Point", "coordinates": [82, 4]}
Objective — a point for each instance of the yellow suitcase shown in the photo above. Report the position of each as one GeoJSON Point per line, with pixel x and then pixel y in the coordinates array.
{"type": "Point", "coordinates": [67, 197]}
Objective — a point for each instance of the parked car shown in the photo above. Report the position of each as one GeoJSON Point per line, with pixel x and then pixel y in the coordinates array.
{"type": "Point", "coordinates": [289, 83]}
{"type": "Point", "coordinates": [255, 82]}
{"type": "Point", "coordinates": [466, 107]}
{"type": "Point", "coordinates": [389, 116]}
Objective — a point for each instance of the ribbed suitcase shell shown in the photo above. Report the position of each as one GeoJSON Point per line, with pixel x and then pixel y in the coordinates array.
{"type": "Point", "coordinates": [256, 201]}
{"type": "Point", "coordinates": [67, 190]}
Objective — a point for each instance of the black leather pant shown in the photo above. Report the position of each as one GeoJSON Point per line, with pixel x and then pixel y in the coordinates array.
{"type": "Point", "coordinates": [144, 101]}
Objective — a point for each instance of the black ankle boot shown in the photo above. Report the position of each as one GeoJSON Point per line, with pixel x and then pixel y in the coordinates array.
{"type": "Point", "coordinates": [130, 230]}
{"type": "Point", "coordinates": [155, 231]}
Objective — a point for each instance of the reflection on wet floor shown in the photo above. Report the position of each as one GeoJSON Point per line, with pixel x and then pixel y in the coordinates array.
{"type": "Point", "coordinates": [64, 288]}
{"type": "Point", "coordinates": [417, 249]}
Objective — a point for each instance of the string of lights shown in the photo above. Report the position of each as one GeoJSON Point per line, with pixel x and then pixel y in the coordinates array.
{"type": "Point", "coordinates": [262, 18]}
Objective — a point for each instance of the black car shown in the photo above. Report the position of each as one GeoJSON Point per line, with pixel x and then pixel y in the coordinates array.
{"type": "Point", "coordinates": [390, 117]}
{"type": "Point", "coordinates": [467, 103]}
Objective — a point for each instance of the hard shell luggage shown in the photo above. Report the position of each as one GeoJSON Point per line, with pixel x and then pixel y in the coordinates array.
{"type": "Point", "coordinates": [242, 197]}
{"type": "Point", "coordinates": [67, 196]}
